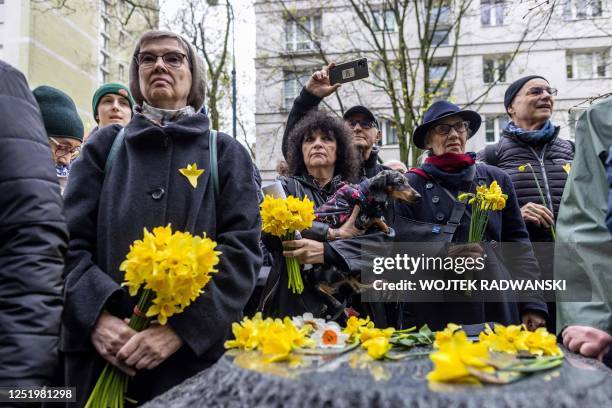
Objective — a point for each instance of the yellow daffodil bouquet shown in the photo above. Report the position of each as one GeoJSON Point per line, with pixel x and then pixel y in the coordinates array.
{"type": "Point", "coordinates": [170, 271]}
{"type": "Point", "coordinates": [484, 200]}
{"type": "Point", "coordinates": [282, 217]}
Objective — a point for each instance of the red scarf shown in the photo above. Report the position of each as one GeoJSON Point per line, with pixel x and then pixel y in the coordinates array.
{"type": "Point", "coordinates": [447, 162]}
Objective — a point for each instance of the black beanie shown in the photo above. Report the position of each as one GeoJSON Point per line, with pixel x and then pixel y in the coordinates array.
{"type": "Point", "coordinates": [516, 86]}
{"type": "Point", "coordinates": [59, 113]}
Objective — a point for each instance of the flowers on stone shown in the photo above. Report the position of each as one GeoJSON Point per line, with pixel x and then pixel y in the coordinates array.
{"type": "Point", "coordinates": [456, 357]}
{"type": "Point", "coordinates": [514, 339]}
{"type": "Point", "coordinates": [329, 335]}
{"type": "Point", "coordinates": [445, 335]}
{"type": "Point", "coordinates": [307, 319]}
{"type": "Point", "coordinates": [377, 347]}
{"type": "Point", "coordinates": [354, 324]}
{"type": "Point", "coordinates": [275, 338]}
{"type": "Point", "coordinates": [192, 173]}
{"type": "Point", "coordinates": [175, 266]}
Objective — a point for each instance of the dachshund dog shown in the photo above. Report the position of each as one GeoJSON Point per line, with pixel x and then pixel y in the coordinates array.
{"type": "Point", "coordinates": [372, 196]}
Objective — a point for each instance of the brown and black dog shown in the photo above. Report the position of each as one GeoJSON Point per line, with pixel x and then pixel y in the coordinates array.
{"type": "Point", "coordinates": [372, 196]}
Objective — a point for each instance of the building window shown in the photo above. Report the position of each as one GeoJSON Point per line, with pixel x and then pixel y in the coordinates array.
{"type": "Point", "coordinates": [440, 24]}
{"type": "Point", "coordinates": [492, 12]}
{"type": "Point", "coordinates": [293, 83]}
{"type": "Point", "coordinates": [301, 35]}
{"type": "Point", "coordinates": [384, 20]}
{"type": "Point", "coordinates": [584, 65]}
{"type": "Point", "coordinates": [103, 75]}
{"type": "Point", "coordinates": [121, 72]}
{"type": "Point", "coordinates": [494, 127]}
{"type": "Point", "coordinates": [581, 9]}
{"type": "Point", "coordinates": [439, 77]}
{"type": "Point", "coordinates": [105, 25]}
{"type": "Point", "coordinates": [494, 69]}
{"type": "Point", "coordinates": [105, 41]}
{"type": "Point", "coordinates": [389, 133]}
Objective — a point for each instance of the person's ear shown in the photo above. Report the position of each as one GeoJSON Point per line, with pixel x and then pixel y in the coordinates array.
{"type": "Point", "coordinates": [378, 135]}
{"type": "Point", "coordinates": [510, 110]}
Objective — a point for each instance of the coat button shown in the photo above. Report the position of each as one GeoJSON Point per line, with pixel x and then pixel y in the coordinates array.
{"type": "Point", "coordinates": [439, 216]}
{"type": "Point", "coordinates": [429, 186]}
{"type": "Point", "coordinates": [158, 193]}
{"type": "Point", "coordinates": [435, 199]}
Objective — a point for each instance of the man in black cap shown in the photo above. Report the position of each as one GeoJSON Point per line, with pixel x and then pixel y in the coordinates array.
{"type": "Point", "coordinates": [530, 145]}
{"type": "Point", "coordinates": [365, 127]}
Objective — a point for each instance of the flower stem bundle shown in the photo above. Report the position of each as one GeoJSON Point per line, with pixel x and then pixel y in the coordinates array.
{"type": "Point", "coordinates": [170, 271]}
{"type": "Point", "coordinates": [282, 217]}
{"type": "Point", "coordinates": [542, 198]}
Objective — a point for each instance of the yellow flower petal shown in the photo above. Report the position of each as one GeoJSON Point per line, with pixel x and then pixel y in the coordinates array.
{"type": "Point", "coordinates": [192, 173]}
{"type": "Point", "coordinates": [567, 167]}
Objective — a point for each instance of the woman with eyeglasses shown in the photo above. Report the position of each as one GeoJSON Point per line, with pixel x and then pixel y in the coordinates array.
{"type": "Point", "coordinates": [64, 128]}
{"type": "Point", "coordinates": [531, 138]}
{"type": "Point", "coordinates": [107, 207]}
{"type": "Point", "coordinates": [441, 219]}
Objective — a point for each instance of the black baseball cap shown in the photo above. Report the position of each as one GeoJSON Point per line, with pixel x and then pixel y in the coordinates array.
{"type": "Point", "coordinates": [361, 110]}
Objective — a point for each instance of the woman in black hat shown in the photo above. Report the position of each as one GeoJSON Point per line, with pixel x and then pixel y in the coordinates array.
{"type": "Point", "coordinates": [439, 217]}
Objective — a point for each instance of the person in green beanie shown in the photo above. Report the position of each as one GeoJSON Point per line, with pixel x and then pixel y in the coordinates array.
{"type": "Point", "coordinates": [64, 128]}
{"type": "Point", "coordinates": [112, 103]}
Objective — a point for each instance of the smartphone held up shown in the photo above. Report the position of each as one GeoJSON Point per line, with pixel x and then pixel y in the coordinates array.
{"type": "Point", "coordinates": [349, 71]}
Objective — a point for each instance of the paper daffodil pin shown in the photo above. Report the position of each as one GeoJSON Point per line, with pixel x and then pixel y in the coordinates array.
{"type": "Point", "coordinates": [192, 173]}
{"type": "Point", "coordinates": [567, 167]}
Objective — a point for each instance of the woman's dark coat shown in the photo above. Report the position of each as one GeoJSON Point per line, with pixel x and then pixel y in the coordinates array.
{"type": "Point", "coordinates": [33, 238]}
{"type": "Point", "coordinates": [504, 226]}
{"type": "Point", "coordinates": [342, 258]}
{"type": "Point", "coordinates": [144, 188]}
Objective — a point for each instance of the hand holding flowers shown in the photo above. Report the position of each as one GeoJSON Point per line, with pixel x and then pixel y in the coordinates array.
{"type": "Point", "coordinates": [282, 217]}
{"type": "Point", "coordinates": [169, 270]}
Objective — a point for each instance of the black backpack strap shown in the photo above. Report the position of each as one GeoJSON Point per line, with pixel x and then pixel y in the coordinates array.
{"type": "Point", "coordinates": [490, 154]}
{"type": "Point", "coordinates": [112, 153]}
{"type": "Point", "coordinates": [214, 168]}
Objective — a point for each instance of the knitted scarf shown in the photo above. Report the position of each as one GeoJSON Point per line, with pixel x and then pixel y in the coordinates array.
{"type": "Point", "coordinates": [532, 137]}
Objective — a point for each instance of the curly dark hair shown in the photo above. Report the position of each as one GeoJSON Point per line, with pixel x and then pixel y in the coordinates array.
{"type": "Point", "coordinates": [347, 162]}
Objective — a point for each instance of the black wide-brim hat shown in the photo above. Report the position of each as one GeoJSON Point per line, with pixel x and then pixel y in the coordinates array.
{"type": "Point", "coordinates": [440, 110]}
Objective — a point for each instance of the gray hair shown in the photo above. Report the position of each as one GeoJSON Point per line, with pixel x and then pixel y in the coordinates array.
{"type": "Point", "coordinates": [198, 75]}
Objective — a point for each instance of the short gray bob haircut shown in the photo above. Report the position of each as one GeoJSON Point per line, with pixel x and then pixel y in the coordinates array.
{"type": "Point", "coordinates": [198, 75]}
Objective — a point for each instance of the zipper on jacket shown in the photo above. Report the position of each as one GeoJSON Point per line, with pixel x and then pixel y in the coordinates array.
{"type": "Point", "coordinates": [544, 176]}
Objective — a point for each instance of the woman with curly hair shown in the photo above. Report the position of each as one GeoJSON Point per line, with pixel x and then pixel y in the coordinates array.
{"type": "Point", "coordinates": [320, 159]}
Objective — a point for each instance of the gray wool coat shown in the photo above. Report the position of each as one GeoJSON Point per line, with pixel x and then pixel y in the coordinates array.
{"type": "Point", "coordinates": [107, 212]}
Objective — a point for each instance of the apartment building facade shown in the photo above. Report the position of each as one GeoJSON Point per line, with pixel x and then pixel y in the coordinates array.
{"type": "Point", "coordinates": [75, 47]}
{"type": "Point", "coordinates": [499, 41]}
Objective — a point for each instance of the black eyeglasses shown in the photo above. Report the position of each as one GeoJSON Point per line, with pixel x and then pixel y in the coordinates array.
{"type": "Point", "coordinates": [365, 124]}
{"type": "Point", "coordinates": [172, 59]}
{"type": "Point", "coordinates": [539, 90]}
{"type": "Point", "coordinates": [445, 129]}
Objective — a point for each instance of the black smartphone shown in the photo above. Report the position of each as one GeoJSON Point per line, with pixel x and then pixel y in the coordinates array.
{"type": "Point", "coordinates": [349, 71]}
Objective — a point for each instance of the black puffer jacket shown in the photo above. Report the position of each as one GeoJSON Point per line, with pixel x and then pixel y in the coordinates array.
{"type": "Point", "coordinates": [33, 240]}
{"type": "Point", "coordinates": [547, 161]}
{"type": "Point", "coordinates": [342, 258]}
